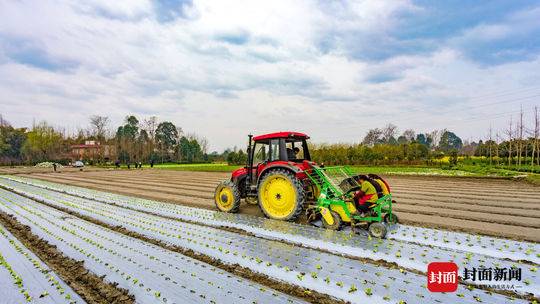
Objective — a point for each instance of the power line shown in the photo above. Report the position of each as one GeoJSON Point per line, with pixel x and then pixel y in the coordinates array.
{"type": "Point", "coordinates": [415, 116]}
{"type": "Point", "coordinates": [505, 93]}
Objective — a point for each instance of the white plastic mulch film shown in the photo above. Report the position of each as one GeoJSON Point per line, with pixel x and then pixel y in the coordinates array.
{"type": "Point", "coordinates": [25, 278]}
{"type": "Point", "coordinates": [345, 278]}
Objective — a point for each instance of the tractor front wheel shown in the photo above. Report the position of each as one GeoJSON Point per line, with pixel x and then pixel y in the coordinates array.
{"type": "Point", "coordinates": [281, 195]}
{"type": "Point", "coordinates": [377, 230]}
{"type": "Point", "coordinates": [227, 197]}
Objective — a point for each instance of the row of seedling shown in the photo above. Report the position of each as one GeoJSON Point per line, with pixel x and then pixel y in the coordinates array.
{"type": "Point", "coordinates": [291, 264]}
{"type": "Point", "coordinates": [32, 279]}
{"type": "Point", "coordinates": [408, 255]}
{"type": "Point", "coordinates": [151, 273]}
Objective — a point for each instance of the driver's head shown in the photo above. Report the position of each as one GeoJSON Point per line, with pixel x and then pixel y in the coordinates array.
{"type": "Point", "coordinates": [296, 150]}
{"type": "Point", "coordinates": [361, 178]}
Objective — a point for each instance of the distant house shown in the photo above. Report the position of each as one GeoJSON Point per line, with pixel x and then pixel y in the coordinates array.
{"type": "Point", "coordinates": [92, 150]}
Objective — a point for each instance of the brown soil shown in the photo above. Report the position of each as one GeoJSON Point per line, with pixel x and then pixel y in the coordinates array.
{"type": "Point", "coordinates": [92, 288]}
{"type": "Point", "coordinates": [495, 207]}
{"type": "Point", "coordinates": [32, 169]}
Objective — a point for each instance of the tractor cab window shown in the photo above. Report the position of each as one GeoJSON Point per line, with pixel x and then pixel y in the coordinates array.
{"type": "Point", "coordinates": [295, 150]}
{"type": "Point", "coordinates": [274, 147]}
{"type": "Point", "coordinates": [261, 153]}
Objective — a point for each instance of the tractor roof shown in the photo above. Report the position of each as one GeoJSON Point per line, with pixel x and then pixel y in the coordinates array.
{"type": "Point", "coordinates": [281, 135]}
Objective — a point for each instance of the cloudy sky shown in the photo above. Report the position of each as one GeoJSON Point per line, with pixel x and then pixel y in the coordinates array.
{"type": "Point", "coordinates": [223, 69]}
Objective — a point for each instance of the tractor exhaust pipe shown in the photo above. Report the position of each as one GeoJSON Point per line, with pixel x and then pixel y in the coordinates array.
{"type": "Point", "coordinates": [249, 164]}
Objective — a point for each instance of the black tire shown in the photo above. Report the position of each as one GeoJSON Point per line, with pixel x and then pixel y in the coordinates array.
{"type": "Point", "coordinates": [227, 197]}
{"type": "Point", "coordinates": [337, 221]}
{"type": "Point", "coordinates": [298, 204]}
{"type": "Point", "coordinates": [391, 218]}
{"type": "Point", "coordinates": [377, 230]}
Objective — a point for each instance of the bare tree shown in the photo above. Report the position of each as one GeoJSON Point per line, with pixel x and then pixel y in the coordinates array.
{"type": "Point", "coordinates": [409, 134]}
{"type": "Point", "coordinates": [520, 136]}
{"type": "Point", "coordinates": [497, 142]}
{"type": "Point", "coordinates": [490, 144]}
{"type": "Point", "coordinates": [204, 144]}
{"type": "Point", "coordinates": [181, 132]}
{"type": "Point", "coordinates": [389, 132]}
{"type": "Point", "coordinates": [535, 134]}
{"type": "Point", "coordinates": [510, 133]}
{"type": "Point", "coordinates": [150, 125]}
{"type": "Point", "coordinates": [435, 136]}
{"type": "Point", "coordinates": [372, 137]}
{"type": "Point", "coordinates": [99, 126]}
{"type": "Point", "coordinates": [3, 123]}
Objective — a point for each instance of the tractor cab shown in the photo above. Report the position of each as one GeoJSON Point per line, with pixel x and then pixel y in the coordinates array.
{"type": "Point", "coordinates": [282, 149]}
{"type": "Point", "coordinates": [281, 146]}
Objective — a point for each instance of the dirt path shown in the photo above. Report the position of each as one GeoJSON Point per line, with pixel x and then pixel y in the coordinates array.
{"type": "Point", "coordinates": [489, 206]}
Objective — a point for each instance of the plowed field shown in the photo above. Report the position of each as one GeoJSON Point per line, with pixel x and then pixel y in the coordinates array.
{"type": "Point", "coordinates": [494, 207]}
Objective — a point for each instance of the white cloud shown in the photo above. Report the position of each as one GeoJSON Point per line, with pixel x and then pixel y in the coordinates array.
{"type": "Point", "coordinates": [228, 68]}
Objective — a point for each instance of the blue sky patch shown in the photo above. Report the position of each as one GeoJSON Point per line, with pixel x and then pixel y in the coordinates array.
{"type": "Point", "coordinates": [238, 37]}
{"type": "Point", "coordinates": [27, 53]}
{"type": "Point", "coordinates": [170, 10]}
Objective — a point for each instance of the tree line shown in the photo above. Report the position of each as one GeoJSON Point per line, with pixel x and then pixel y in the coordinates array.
{"type": "Point", "coordinates": [148, 140]}
{"type": "Point", "coordinates": [385, 146]}
{"type": "Point", "coordinates": [153, 141]}
{"type": "Point", "coordinates": [516, 147]}
{"type": "Point", "coordinates": [134, 141]}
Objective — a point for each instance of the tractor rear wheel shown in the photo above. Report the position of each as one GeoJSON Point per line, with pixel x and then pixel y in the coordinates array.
{"type": "Point", "coordinates": [281, 195]}
{"type": "Point", "coordinates": [227, 197]}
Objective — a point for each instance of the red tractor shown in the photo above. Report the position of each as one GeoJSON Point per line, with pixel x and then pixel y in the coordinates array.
{"type": "Point", "coordinates": [274, 177]}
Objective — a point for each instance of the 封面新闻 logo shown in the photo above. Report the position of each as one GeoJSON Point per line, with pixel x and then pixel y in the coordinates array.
{"type": "Point", "coordinates": [442, 277]}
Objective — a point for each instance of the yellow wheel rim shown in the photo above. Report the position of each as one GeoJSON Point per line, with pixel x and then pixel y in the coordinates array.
{"type": "Point", "coordinates": [224, 198]}
{"type": "Point", "coordinates": [278, 197]}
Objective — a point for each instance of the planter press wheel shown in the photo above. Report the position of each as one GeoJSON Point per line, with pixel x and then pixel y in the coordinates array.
{"type": "Point", "coordinates": [391, 218]}
{"type": "Point", "coordinates": [377, 230]}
